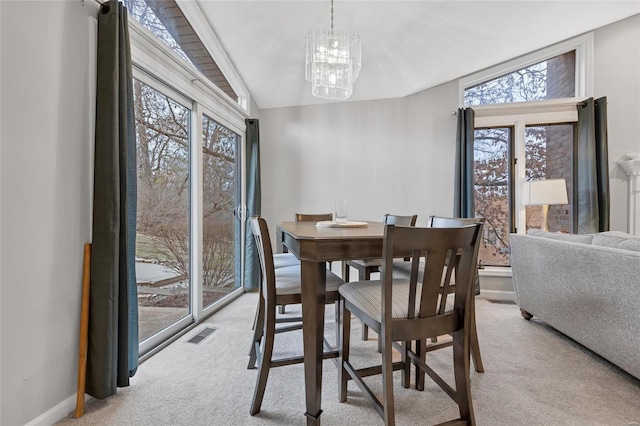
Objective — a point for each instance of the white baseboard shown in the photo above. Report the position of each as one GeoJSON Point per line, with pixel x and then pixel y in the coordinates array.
{"type": "Point", "coordinates": [497, 295]}
{"type": "Point", "coordinates": [58, 412]}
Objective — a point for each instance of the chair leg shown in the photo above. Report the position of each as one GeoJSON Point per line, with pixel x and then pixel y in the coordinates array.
{"type": "Point", "coordinates": [366, 275]}
{"type": "Point", "coordinates": [258, 330]}
{"type": "Point", "coordinates": [421, 352]}
{"type": "Point", "coordinates": [337, 323]}
{"type": "Point", "coordinates": [462, 376]}
{"type": "Point", "coordinates": [365, 332]}
{"type": "Point", "coordinates": [406, 373]}
{"type": "Point", "coordinates": [345, 272]}
{"type": "Point", "coordinates": [475, 346]}
{"type": "Point", "coordinates": [264, 363]}
{"type": "Point", "coordinates": [387, 381]}
{"type": "Point", "coordinates": [345, 335]}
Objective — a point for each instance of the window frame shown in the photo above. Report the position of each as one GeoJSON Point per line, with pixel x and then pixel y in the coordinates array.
{"type": "Point", "coordinates": [583, 45]}
{"type": "Point", "coordinates": [519, 115]}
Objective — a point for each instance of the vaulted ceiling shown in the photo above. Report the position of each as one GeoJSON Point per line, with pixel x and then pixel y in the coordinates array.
{"type": "Point", "coordinates": [407, 46]}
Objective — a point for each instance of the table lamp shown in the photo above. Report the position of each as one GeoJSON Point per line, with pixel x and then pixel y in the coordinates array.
{"type": "Point", "coordinates": [544, 193]}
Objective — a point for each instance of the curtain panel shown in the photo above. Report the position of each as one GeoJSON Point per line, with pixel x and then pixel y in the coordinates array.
{"type": "Point", "coordinates": [254, 203]}
{"type": "Point", "coordinates": [113, 309]}
{"type": "Point", "coordinates": [463, 190]}
{"type": "Point", "coordinates": [591, 168]}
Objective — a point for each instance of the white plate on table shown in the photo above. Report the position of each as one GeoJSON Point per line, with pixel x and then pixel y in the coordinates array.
{"type": "Point", "coordinates": [334, 224]}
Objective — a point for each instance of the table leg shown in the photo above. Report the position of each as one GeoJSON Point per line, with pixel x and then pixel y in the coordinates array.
{"type": "Point", "coordinates": [313, 277]}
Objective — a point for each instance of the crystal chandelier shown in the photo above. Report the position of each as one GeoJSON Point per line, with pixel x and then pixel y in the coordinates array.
{"type": "Point", "coordinates": [333, 61]}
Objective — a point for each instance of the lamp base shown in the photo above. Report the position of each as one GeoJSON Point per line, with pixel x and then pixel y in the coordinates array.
{"type": "Point", "coordinates": [545, 212]}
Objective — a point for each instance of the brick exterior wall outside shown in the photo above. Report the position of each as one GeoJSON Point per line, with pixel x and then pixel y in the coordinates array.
{"type": "Point", "coordinates": [560, 84]}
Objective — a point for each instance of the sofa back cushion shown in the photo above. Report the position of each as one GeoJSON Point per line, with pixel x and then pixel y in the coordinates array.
{"type": "Point", "coordinates": [618, 240]}
{"type": "Point", "coordinates": [574, 238]}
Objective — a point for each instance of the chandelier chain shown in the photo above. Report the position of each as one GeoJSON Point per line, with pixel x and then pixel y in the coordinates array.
{"type": "Point", "coordinates": [331, 17]}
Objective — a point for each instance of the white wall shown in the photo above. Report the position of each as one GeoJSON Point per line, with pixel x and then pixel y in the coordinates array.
{"type": "Point", "coordinates": [389, 156]}
{"type": "Point", "coordinates": [45, 209]}
{"type": "Point", "coordinates": [617, 76]}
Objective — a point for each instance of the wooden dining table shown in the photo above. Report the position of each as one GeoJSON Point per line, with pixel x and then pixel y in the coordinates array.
{"type": "Point", "coordinates": [315, 246]}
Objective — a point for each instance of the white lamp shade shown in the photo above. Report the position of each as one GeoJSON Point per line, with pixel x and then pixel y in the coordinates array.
{"type": "Point", "coordinates": [544, 192]}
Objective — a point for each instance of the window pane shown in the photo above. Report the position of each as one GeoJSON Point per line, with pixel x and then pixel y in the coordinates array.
{"type": "Point", "coordinates": [492, 192]}
{"type": "Point", "coordinates": [139, 10]}
{"type": "Point", "coordinates": [550, 79]}
{"type": "Point", "coordinates": [162, 246]}
{"type": "Point", "coordinates": [548, 156]}
{"type": "Point", "coordinates": [166, 21]}
{"type": "Point", "coordinates": [219, 201]}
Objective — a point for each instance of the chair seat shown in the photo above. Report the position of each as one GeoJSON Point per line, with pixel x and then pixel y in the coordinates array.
{"type": "Point", "coordinates": [282, 260]}
{"type": "Point", "coordinates": [367, 263]}
{"type": "Point", "coordinates": [367, 297]}
{"type": "Point", "coordinates": [288, 281]}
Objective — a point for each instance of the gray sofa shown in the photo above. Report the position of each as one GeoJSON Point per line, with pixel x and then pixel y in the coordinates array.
{"type": "Point", "coordinates": [585, 286]}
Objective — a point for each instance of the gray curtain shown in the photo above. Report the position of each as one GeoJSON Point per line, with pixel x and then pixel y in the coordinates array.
{"type": "Point", "coordinates": [463, 191]}
{"type": "Point", "coordinates": [254, 202]}
{"type": "Point", "coordinates": [113, 309]}
{"type": "Point", "coordinates": [591, 197]}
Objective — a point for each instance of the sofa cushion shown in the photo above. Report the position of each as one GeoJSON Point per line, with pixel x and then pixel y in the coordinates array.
{"type": "Point", "coordinates": [574, 238]}
{"type": "Point", "coordinates": [618, 240]}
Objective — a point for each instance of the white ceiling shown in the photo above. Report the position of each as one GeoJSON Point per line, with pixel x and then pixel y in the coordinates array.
{"type": "Point", "coordinates": [407, 46]}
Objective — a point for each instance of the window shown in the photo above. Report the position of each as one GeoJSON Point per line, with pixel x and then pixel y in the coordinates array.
{"type": "Point", "coordinates": [141, 12]}
{"type": "Point", "coordinates": [524, 130]}
{"type": "Point", "coordinates": [163, 257]}
{"type": "Point", "coordinates": [220, 193]}
{"type": "Point", "coordinates": [189, 139]}
{"type": "Point", "coordinates": [167, 22]}
{"type": "Point", "coordinates": [492, 191]}
{"type": "Point", "coordinates": [550, 79]}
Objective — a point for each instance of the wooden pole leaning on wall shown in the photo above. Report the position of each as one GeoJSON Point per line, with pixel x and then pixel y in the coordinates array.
{"type": "Point", "coordinates": [84, 331]}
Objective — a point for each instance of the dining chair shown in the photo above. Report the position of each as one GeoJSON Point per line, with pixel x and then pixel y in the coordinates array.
{"type": "Point", "coordinates": [282, 260]}
{"type": "Point", "coordinates": [366, 267]}
{"type": "Point", "coordinates": [403, 269]}
{"type": "Point", "coordinates": [402, 311]}
{"type": "Point", "coordinates": [281, 288]}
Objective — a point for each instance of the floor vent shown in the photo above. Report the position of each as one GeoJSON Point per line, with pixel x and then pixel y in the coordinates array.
{"type": "Point", "coordinates": [202, 335]}
{"type": "Point", "coordinates": [504, 302]}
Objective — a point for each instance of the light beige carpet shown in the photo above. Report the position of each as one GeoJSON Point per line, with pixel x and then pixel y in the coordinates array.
{"type": "Point", "coordinates": [533, 376]}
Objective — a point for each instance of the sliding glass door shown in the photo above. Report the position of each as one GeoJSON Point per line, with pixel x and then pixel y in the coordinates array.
{"type": "Point", "coordinates": [162, 234]}
{"type": "Point", "coordinates": [187, 255]}
{"type": "Point", "coordinates": [220, 190]}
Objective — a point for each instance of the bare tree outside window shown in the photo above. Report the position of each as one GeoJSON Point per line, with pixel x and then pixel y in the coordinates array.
{"type": "Point", "coordinates": [162, 238]}
{"type": "Point", "coordinates": [165, 20]}
{"type": "Point", "coordinates": [163, 227]}
{"type": "Point", "coordinates": [547, 148]}
{"type": "Point", "coordinates": [142, 13]}
{"type": "Point", "coordinates": [219, 200]}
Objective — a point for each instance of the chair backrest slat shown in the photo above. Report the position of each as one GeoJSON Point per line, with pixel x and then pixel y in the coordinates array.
{"type": "Point", "coordinates": [304, 217]}
{"type": "Point", "coordinates": [444, 250]}
{"type": "Point", "coordinates": [392, 219]}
